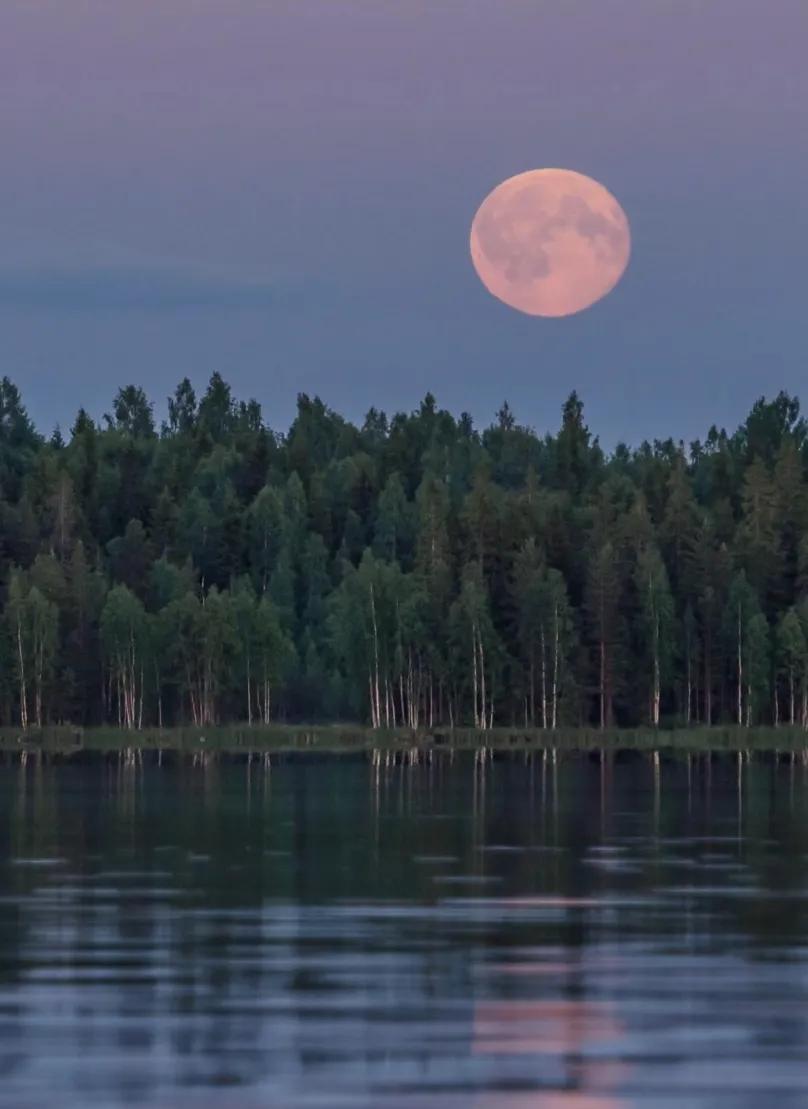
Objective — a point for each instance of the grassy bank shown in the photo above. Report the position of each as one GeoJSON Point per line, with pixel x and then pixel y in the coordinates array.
{"type": "Point", "coordinates": [343, 737]}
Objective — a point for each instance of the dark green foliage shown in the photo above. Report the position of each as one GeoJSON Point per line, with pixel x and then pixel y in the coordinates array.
{"type": "Point", "coordinates": [412, 572]}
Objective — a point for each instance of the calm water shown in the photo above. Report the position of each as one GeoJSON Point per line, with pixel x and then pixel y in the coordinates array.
{"type": "Point", "coordinates": [336, 932]}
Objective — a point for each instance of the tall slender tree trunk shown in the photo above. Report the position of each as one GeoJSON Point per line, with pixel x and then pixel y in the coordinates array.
{"type": "Point", "coordinates": [373, 721]}
{"type": "Point", "coordinates": [657, 693]}
{"type": "Point", "coordinates": [530, 699]}
{"type": "Point", "coordinates": [708, 681]}
{"type": "Point", "coordinates": [543, 679]}
{"type": "Point", "coordinates": [688, 685]}
{"type": "Point", "coordinates": [375, 658]}
{"type": "Point", "coordinates": [696, 695]}
{"type": "Point", "coordinates": [748, 703]}
{"type": "Point", "coordinates": [159, 687]}
{"type": "Point", "coordinates": [39, 678]}
{"type": "Point", "coordinates": [655, 676]}
{"type": "Point", "coordinates": [474, 673]}
{"type": "Point", "coordinates": [482, 679]}
{"type": "Point", "coordinates": [554, 688]}
{"type": "Point", "coordinates": [249, 689]}
{"type": "Point", "coordinates": [23, 686]}
{"type": "Point", "coordinates": [740, 669]}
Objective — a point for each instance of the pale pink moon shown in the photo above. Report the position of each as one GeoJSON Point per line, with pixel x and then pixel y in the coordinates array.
{"type": "Point", "coordinates": [550, 242]}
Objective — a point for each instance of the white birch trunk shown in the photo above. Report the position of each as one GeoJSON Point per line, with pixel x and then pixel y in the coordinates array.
{"type": "Point", "coordinates": [23, 686]}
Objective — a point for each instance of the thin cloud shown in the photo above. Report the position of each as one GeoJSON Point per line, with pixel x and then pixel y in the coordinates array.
{"type": "Point", "coordinates": [127, 288]}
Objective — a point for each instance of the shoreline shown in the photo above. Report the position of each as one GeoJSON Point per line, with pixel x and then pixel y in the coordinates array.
{"type": "Point", "coordinates": [344, 738]}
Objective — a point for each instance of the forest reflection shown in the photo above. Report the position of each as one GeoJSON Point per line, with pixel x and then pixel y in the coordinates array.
{"type": "Point", "coordinates": [488, 929]}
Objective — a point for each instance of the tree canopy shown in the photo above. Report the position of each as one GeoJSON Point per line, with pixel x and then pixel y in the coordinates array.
{"type": "Point", "coordinates": [411, 571]}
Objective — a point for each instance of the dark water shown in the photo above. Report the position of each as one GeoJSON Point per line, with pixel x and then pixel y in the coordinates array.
{"type": "Point", "coordinates": [333, 932]}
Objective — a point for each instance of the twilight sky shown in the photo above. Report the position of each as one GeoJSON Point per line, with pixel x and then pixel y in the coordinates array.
{"type": "Point", "coordinates": [282, 190]}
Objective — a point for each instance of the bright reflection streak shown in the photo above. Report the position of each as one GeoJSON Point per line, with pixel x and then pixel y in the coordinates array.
{"type": "Point", "coordinates": [542, 1027]}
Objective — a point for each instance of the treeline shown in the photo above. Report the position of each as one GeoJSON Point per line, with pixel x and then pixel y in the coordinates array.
{"type": "Point", "coordinates": [412, 571]}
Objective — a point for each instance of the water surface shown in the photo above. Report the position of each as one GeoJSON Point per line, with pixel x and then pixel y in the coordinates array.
{"type": "Point", "coordinates": [358, 931]}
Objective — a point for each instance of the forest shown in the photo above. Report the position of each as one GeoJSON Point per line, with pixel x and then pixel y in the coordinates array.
{"type": "Point", "coordinates": [413, 572]}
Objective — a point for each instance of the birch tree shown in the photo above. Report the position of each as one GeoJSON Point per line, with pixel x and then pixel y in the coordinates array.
{"type": "Point", "coordinates": [274, 654]}
{"type": "Point", "coordinates": [124, 636]}
{"type": "Point", "coordinates": [657, 624]}
{"type": "Point", "coordinates": [476, 649]}
{"type": "Point", "coordinates": [544, 623]}
{"type": "Point", "coordinates": [791, 656]}
{"type": "Point", "coordinates": [363, 623]}
{"type": "Point", "coordinates": [33, 623]}
{"type": "Point", "coordinates": [602, 602]}
{"type": "Point", "coordinates": [758, 668]}
{"type": "Point", "coordinates": [264, 535]}
{"type": "Point", "coordinates": [204, 643]}
{"type": "Point", "coordinates": [742, 606]}
{"type": "Point", "coordinates": [18, 625]}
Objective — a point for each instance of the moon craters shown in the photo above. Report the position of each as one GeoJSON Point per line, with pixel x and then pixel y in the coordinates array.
{"type": "Point", "coordinates": [550, 242]}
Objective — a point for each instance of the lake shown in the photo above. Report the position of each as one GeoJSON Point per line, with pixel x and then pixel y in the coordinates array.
{"type": "Point", "coordinates": [404, 930]}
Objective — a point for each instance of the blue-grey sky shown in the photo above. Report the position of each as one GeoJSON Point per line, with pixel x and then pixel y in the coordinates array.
{"type": "Point", "coordinates": [281, 190]}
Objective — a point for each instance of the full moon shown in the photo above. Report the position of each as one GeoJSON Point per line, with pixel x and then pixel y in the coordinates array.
{"type": "Point", "coordinates": [550, 242]}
